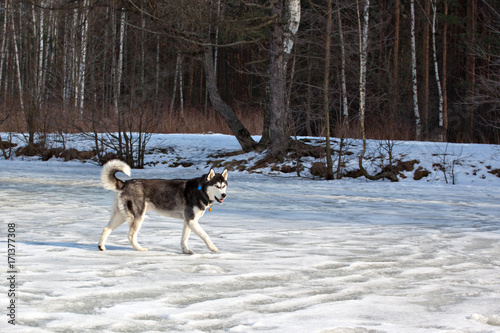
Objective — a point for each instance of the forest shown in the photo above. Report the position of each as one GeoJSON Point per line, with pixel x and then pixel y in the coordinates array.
{"type": "Point", "coordinates": [392, 70]}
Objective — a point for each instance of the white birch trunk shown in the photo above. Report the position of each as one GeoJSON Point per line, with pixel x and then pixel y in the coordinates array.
{"type": "Point", "coordinates": [41, 48]}
{"type": "Point", "coordinates": [345, 106]}
{"type": "Point", "coordinates": [363, 44]}
{"type": "Point", "coordinates": [119, 67]}
{"type": "Point", "coordinates": [436, 68]}
{"type": "Point", "coordinates": [16, 56]}
{"type": "Point", "coordinates": [363, 39]}
{"type": "Point", "coordinates": [176, 77]}
{"type": "Point", "coordinates": [83, 57]}
{"type": "Point", "coordinates": [3, 52]}
{"type": "Point", "coordinates": [291, 28]}
{"type": "Point", "coordinates": [414, 72]}
{"type": "Point", "coordinates": [49, 56]}
{"type": "Point", "coordinates": [67, 65]}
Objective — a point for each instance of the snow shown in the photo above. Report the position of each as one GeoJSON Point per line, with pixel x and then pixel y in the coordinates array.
{"type": "Point", "coordinates": [296, 254]}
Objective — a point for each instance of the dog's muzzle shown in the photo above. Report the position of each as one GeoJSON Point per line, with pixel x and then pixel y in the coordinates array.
{"type": "Point", "coordinates": [221, 199]}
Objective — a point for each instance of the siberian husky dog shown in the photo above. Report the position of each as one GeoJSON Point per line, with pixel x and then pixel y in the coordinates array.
{"type": "Point", "coordinates": [185, 199]}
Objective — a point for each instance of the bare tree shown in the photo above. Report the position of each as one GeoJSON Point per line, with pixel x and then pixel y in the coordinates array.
{"type": "Point", "coordinates": [416, 112]}
{"type": "Point", "coordinates": [178, 84]}
{"type": "Point", "coordinates": [470, 59]}
{"type": "Point", "coordinates": [395, 68]}
{"type": "Point", "coordinates": [436, 68]}
{"type": "Point", "coordinates": [326, 90]}
{"type": "Point", "coordinates": [444, 119]}
{"type": "Point", "coordinates": [345, 106]}
{"type": "Point", "coordinates": [240, 132]}
{"type": "Point", "coordinates": [363, 57]}
{"type": "Point", "coordinates": [363, 45]}
{"type": "Point", "coordinates": [81, 72]}
{"type": "Point", "coordinates": [3, 46]}
{"type": "Point", "coordinates": [278, 115]}
{"type": "Point", "coordinates": [425, 65]}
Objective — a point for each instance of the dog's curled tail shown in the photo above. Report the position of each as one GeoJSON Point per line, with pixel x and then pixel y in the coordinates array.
{"type": "Point", "coordinates": [108, 178]}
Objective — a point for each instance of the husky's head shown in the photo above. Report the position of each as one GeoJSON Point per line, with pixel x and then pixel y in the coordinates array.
{"type": "Point", "coordinates": [216, 185]}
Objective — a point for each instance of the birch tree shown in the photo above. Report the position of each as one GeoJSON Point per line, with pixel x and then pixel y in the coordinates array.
{"type": "Point", "coordinates": [292, 26]}
{"type": "Point", "coordinates": [119, 65]}
{"type": "Point", "coordinates": [3, 46]}
{"type": "Point", "coordinates": [363, 59]}
{"type": "Point", "coordinates": [416, 112]}
{"type": "Point", "coordinates": [436, 69]}
{"type": "Point", "coordinates": [81, 73]}
{"type": "Point", "coordinates": [178, 84]}
{"type": "Point", "coordinates": [41, 47]}
{"type": "Point", "coordinates": [16, 59]}
{"type": "Point", "coordinates": [345, 107]}
{"type": "Point", "coordinates": [363, 53]}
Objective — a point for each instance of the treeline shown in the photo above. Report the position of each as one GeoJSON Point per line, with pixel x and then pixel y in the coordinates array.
{"type": "Point", "coordinates": [149, 66]}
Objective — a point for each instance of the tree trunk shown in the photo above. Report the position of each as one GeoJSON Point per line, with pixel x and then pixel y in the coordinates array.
{"type": "Point", "coordinates": [278, 115]}
{"type": "Point", "coordinates": [3, 53]}
{"type": "Point", "coordinates": [239, 130]}
{"type": "Point", "coordinates": [157, 74]}
{"type": "Point", "coordinates": [177, 79]}
{"type": "Point", "coordinates": [395, 69]}
{"type": "Point", "coordinates": [436, 68]}
{"type": "Point", "coordinates": [326, 90]}
{"type": "Point", "coordinates": [363, 44]}
{"type": "Point", "coordinates": [83, 56]}
{"type": "Point", "coordinates": [426, 69]}
{"type": "Point", "coordinates": [445, 79]}
{"type": "Point", "coordinates": [117, 83]}
{"type": "Point", "coordinates": [345, 106]}
{"type": "Point", "coordinates": [41, 48]}
{"type": "Point", "coordinates": [17, 61]}
{"type": "Point", "coordinates": [416, 112]}
{"type": "Point", "coordinates": [293, 13]}
{"type": "Point", "coordinates": [363, 58]}
{"type": "Point", "coordinates": [470, 60]}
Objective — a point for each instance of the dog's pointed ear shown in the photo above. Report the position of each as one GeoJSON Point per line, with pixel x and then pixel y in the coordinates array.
{"type": "Point", "coordinates": [210, 175]}
{"type": "Point", "coordinates": [224, 174]}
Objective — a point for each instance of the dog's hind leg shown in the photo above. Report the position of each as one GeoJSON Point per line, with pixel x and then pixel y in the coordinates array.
{"type": "Point", "coordinates": [135, 226]}
{"type": "Point", "coordinates": [116, 220]}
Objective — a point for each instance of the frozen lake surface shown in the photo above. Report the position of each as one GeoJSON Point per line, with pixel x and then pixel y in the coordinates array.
{"type": "Point", "coordinates": [296, 255]}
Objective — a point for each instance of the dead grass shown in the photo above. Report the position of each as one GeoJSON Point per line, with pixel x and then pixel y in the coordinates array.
{"type": "Point", "coordinates": [194, 120]}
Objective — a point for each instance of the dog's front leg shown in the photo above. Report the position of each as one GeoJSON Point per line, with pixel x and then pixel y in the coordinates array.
{"type": "Point", "coordinates": [185, 236]}
{"type": "Point", "coordinates": [197, 229]}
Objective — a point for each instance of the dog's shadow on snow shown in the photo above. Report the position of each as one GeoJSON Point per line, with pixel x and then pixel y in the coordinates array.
{"type": "Point", "coordinates": [88, 247]}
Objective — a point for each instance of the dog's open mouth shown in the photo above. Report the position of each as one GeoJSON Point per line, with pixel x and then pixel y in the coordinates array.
{"type": "Point", "coordinates": [219, 200]}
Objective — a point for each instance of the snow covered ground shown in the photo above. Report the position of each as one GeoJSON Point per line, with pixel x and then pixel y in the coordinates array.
{"type": "Point", "coordinates": [296, 254]}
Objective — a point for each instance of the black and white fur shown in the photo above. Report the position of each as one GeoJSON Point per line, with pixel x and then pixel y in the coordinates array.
{"type": "Point", "coordinates": [185, 199]}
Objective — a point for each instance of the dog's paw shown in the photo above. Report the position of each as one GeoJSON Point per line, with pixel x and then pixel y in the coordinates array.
{"type": "Point", "coordinates": [214, 249]}
{"type": "Point", "coordinates": [102, 247]}
{"type": "Point", "coordinates": [187, 251]}
{"type": "Point", "coordinates": [142, 249]}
